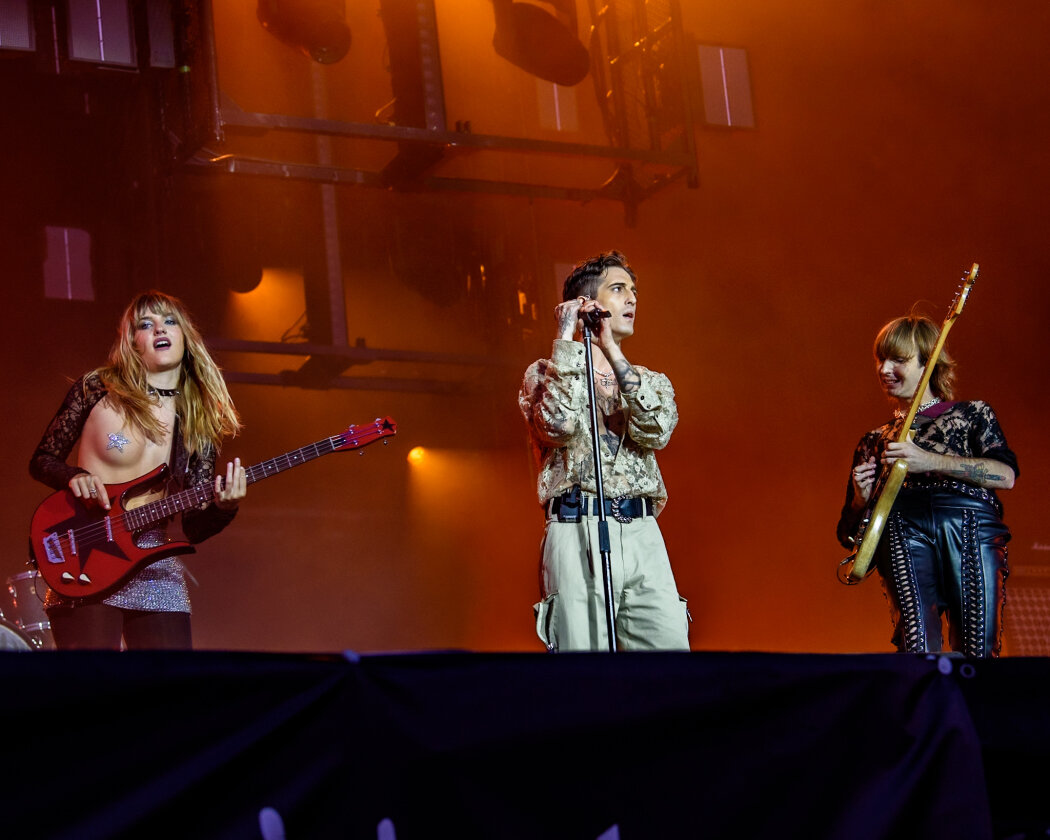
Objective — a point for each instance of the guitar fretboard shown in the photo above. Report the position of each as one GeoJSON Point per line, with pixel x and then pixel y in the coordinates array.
{"type": "Point", "coordinates": [293, 459]}
{"type": "Point", "coordinates": [201, 495]}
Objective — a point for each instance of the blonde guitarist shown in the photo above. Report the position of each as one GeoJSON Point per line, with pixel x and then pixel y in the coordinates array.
{"type": "Point", "coordinates": [943, 557]}
{"type": "Point", "coordinates": [161, 399]}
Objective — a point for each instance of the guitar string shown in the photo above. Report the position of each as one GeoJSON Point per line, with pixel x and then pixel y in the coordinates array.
{"type": "Point", "coordinates": [89, 534]}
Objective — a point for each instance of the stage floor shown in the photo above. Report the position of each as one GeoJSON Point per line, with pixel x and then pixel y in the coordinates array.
{"type": "Point", "coordinates": [475, 745]}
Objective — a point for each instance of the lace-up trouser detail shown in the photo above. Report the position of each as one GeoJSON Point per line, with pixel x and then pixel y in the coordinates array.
{"type": "Point", "coordinates": [973, 583]}
{"type": "Point", "coordinates": [945, 555]}
{"type": "Point", "coordinates": [910, 628]}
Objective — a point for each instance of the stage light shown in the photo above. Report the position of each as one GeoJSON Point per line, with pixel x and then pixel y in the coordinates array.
{"type": "Point", "coordinates": [539, 43]}
{"type": "Point", "coordinates": [316, 27]}
{"type": "Point", "coordinates": [416, 455]}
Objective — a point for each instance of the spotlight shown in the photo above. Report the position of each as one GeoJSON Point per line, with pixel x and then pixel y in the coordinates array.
{"type": "Point", "coordinates": [539, 43]}
{"type": "Point", "coordinates": [316, 27]}
{"type": "Point", "coordinates": [416, 455]}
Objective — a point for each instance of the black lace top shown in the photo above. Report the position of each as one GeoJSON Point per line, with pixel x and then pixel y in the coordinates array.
{"type": "Point", "coordinates": [50, 466]}
{"type": "Point", "coordinates": [967, 429]}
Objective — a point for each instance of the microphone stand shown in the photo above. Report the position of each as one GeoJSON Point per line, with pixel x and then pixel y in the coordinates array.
{"type": "Point", "coordinates": [603, 525]}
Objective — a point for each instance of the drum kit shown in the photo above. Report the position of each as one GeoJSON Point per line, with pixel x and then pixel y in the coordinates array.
{"type": "Point", "coordinates": [23, 622]}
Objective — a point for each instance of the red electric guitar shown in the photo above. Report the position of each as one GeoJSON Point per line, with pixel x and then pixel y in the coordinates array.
{"type": "Point", "coordinates": [86, 552]}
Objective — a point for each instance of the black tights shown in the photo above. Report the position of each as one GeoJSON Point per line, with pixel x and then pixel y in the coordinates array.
{"type": "Point", "coordinates": [101, 627]}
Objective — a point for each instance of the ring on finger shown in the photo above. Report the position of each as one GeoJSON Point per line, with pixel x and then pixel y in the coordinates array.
{"type": "Point", "coordinates": [93, 492]}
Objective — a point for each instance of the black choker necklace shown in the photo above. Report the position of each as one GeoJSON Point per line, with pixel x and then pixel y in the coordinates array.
{"type": "Point", "coordinates": [164, 392]}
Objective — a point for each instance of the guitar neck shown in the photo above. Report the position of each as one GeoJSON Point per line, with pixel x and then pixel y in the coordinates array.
{"type": "Point", "coordinates": [201, 495]}
{"type": "Point", "coordinates": [924, 382]}
{"type": "Point", "coordinates": [953, 312]}
{"type": "Point", "coordinates": [292, 459]}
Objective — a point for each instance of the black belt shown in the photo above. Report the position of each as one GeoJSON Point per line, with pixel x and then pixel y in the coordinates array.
{"type": "Point", "coordinates": [568, 508]}
{"type": "Point", "coordinates": [960, 488]}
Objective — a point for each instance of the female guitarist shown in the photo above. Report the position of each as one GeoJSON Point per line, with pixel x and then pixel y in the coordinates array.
{"type": "Point", "coordinates": [160, 399]}
{"type": "Point", "coordinates": [943, 553]}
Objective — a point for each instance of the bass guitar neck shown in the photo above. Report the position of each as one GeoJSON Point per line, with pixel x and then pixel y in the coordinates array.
{"type": "Point", "coordinates": [85, 552]}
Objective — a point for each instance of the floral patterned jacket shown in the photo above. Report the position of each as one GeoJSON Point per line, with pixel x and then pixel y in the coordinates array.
{"type": "Point", "coordinates": [553, 400]}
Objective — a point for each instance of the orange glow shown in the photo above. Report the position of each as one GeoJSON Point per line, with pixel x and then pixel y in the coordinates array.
{"type": "Point", "coordinates": [270, 310]}
{"type": "Point", "coordinates": [416, 455]}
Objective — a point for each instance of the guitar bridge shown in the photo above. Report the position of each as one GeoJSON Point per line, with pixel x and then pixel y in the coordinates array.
{"type": "Point", "coordinates": [53, 548]}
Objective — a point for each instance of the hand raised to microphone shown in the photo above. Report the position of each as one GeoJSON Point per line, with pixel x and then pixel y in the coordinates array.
{"type": "Point", "coordinates": [592, 318]}
{"type": "Point", "coordinates": [574, 314]}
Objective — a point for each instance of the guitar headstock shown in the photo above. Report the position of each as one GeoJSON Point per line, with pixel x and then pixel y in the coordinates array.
{"type": "Point", "coordinates": [968, 279]}
{"type": "Point", "coordinates": [356, 437]}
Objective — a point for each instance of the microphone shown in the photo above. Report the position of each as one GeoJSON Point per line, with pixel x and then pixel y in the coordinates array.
{"type": "Point", "coordinates": [592, 318]}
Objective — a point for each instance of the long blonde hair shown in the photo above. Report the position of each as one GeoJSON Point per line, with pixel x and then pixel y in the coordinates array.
{"type": "Point", "coordinates": [204, 407]}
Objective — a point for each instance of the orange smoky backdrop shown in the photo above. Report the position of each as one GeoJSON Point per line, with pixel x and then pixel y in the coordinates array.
{"type": "Point", "coordinates": [894, 144]}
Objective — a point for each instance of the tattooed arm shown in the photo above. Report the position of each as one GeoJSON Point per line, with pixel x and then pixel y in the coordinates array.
{"type": "Point", "coordinates": [970, 446]}
{"type": "Point", "coordinates": [626, 376]}
{"type": "Point", "coordinates": [984, 472]}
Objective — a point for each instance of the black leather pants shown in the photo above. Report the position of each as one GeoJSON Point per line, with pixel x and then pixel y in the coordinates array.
{"type": "Point", "coordinates": [945, 554]}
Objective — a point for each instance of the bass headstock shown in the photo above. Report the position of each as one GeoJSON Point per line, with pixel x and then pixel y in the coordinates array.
{"type": "Point", "coordinates": [356, 437]}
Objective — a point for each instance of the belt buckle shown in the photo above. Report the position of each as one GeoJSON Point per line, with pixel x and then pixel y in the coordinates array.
{"type": "Point", "coordinates": [622, 518]}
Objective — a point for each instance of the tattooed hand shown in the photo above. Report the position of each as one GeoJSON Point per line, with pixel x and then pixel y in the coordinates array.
{"type": "Point", "coordinates": [567, 314]}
